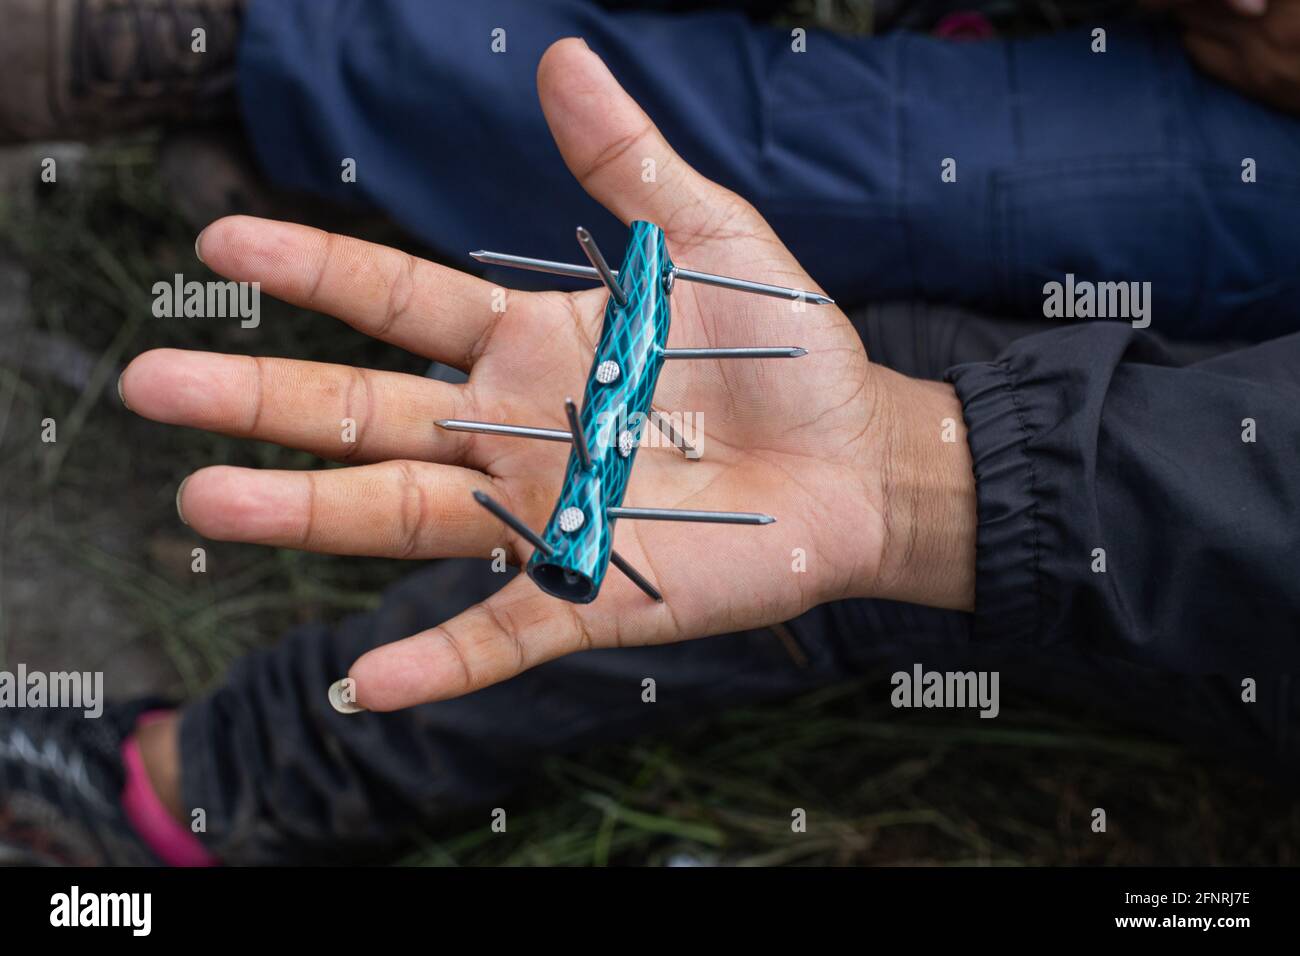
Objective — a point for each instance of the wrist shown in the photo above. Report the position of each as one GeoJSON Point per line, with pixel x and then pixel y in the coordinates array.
{"type": "Point", "coordinates": [927, 487]}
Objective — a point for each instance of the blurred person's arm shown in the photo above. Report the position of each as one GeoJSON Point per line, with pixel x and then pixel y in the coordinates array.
{"type": "Point", "coordinates": [1251, 45]}
{"type": "Point", "coordinates": [894, 167]}
{"type": "Point", "coordinates": [1136, 508]}
{"type": "Point", "coordinates": [1246, 8]}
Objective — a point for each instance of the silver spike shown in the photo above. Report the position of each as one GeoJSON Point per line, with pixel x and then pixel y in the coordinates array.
{"type": "Point", "coordinates": [491, 428]}
{"type": "Point", "coordinates": [515, 525]}
{"type": "Point", "coordinates": [635, 576]}
{"type": "Point", "coordinates": [576, 434]}
{"type": "Point", "coordinates": [690, 275]}
{"type": "Point", "coordinates": [602, 268]}
{"type": "Point", "coordinates": [740, 353]}
{"type": "Point", "coordinates": [682, 514]}
{"type": "Point", "coordinates": [758, 288]}
{"type": "Point", "coordinates": [535, 265]}
{"type": "Point", "coordinates": [536, 540]}
{"type": "Point", "coordinates": [559, 434]}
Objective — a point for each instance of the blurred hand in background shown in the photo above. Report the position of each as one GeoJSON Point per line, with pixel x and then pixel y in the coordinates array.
{"type": "Point", "coordinates": [1252, 45]}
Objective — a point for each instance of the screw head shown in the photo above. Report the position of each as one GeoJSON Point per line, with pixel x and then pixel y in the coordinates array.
{"type": "Point", "coordinates": [571, 519]}
{"type": "Point", "coordinates": [607, 371]}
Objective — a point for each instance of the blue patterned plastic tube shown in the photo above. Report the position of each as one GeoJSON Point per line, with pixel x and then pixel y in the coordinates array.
{"type": "Point", "coordinates": [615, 410]}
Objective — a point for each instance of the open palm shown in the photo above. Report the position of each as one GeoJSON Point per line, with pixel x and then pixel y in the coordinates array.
{"type": "Point", "coordinates": [798, 439]}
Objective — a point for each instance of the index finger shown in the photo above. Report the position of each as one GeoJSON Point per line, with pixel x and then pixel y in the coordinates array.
{"type": "Point", "coordinates": [420, 306]}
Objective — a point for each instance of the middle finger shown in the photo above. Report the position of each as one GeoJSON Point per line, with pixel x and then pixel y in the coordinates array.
{"type": "Point", "coordinates": [335, 411]}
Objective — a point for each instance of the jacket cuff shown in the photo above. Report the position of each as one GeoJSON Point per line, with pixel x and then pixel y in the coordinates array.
{"type": "Point", "coordinates": [1007, 580]}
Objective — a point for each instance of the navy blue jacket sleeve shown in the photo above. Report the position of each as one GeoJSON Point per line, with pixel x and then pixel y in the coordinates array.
{"type": "Point", "coordinates": [1118, 167]}
{"type": "Point", "coordinates": [1090, 445]}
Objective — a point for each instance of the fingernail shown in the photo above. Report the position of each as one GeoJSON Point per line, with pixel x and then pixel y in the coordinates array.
{"type": "Point", "coordinates": [343, 696]}
{"type": "Point", "coordinates": [181, 514]}
{"type": "Point", "coordinates": [198, 253]}
{"type": "Point", "coordinates": [583, 41]}
{"type": "Point", "coordinates": [120, 393]}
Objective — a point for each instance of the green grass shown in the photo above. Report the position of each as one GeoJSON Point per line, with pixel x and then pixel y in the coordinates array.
{"type": "Point", "coordinates": [96, 510]}
{"type": "Point", "coordinates": [879, 790]}
{"type": "Point", "coordinates": [93, 251]}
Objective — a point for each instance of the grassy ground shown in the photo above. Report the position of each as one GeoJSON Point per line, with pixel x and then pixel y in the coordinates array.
{"type": "Point", "coordinates": [98, 502]}
{"type": "Point", "coordinates": [95, 573]}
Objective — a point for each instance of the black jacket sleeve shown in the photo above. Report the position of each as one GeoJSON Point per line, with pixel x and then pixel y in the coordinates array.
{"type": "Point", "coordinates": [1135, 507]}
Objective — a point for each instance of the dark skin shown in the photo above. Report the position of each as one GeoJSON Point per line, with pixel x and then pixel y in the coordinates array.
{"type": "Point", "coordinates": [849, 455]}
{"type": "Point", "coordinates": [1251, 45]}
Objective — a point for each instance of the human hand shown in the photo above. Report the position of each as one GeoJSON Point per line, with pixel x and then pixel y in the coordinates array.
{"type": "Point", "coordinates": [1250, 45]}
{"type": "Point", "coordinates": [1246, 8]}
{"type": "Point", "coordinates": [846, 455]}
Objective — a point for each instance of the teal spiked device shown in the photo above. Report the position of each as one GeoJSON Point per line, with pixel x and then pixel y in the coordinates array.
{"type": "Point", "coordinates": [615, 407]}
{"type": "Point", "coordinates": [576, 548]}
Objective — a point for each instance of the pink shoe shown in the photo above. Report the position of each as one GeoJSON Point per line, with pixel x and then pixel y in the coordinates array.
{"type": "Point", "coordinates": [965, 25]}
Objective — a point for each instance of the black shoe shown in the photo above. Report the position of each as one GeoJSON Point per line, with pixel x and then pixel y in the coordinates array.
{"type": "Point", "coordinates": [61, 779]}
{"type": "Point", "coordinates": [79, 69]}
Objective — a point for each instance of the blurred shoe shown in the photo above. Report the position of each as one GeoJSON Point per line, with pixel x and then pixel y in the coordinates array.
{"type": "Point", "coordinates": [209, 172]}
{"type": "Point", "coordinates": [80, 69]}
{"type": "Point", "coordinates": [965, 25]}
{"type": "Point", "coordinates": [61, 780]}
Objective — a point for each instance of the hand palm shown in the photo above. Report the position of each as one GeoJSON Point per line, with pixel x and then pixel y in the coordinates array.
{"type": "Point", "coordinates": [780, 436]}
{"type": "Point", "coordinates": [787, 437]}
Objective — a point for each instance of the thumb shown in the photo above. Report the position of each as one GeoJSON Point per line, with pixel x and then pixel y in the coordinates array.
{"type": "Point", "coordinates": [614, 150]}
